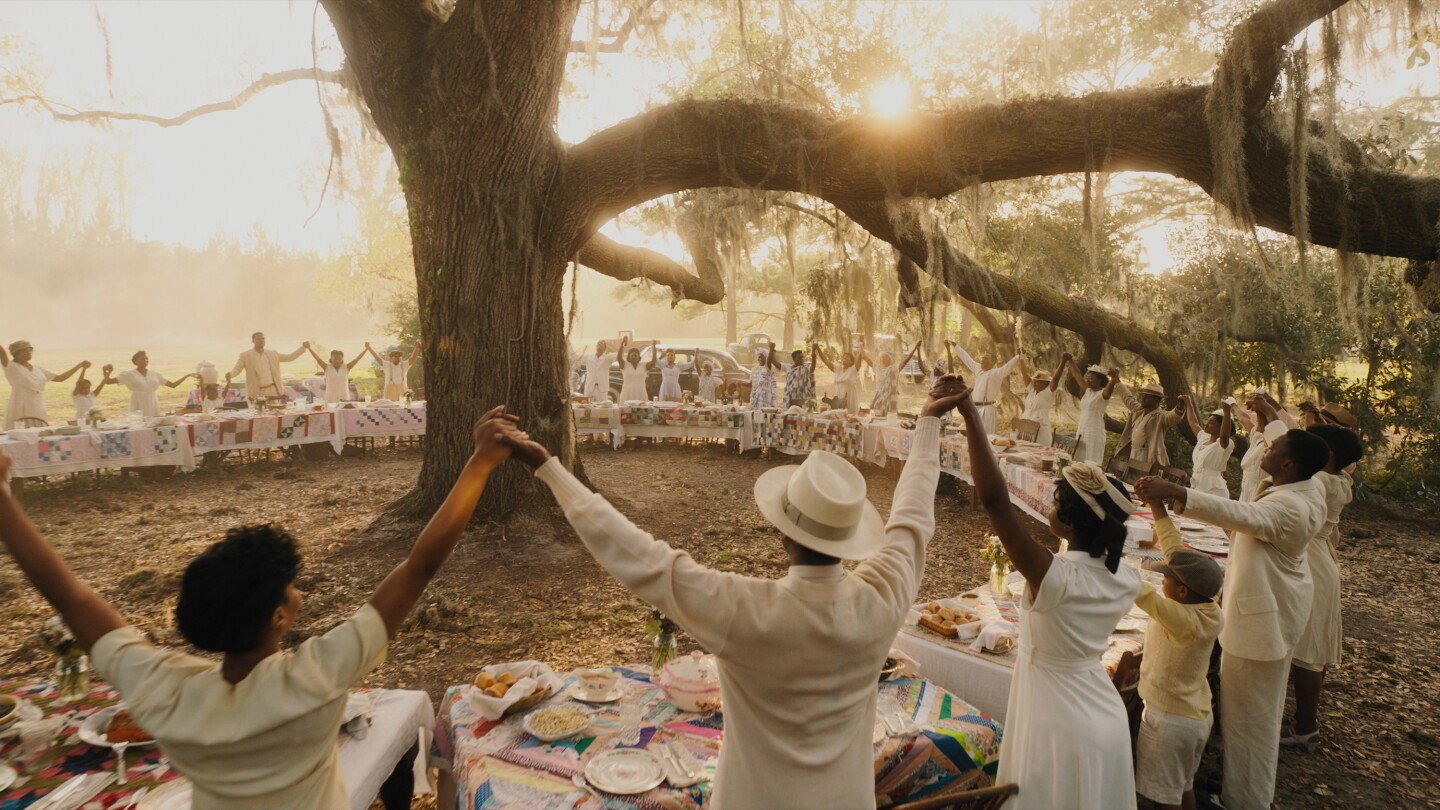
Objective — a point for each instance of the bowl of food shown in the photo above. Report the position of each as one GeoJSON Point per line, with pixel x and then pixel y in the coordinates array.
{"type": "Point", "coordinates": [499, 687]}
{"type": "Point", "coordinates": [110, 727]}
{"type": "Point", "coordinates": [553, 723]}
{"type": "Point", "coordinates": [692, 682]}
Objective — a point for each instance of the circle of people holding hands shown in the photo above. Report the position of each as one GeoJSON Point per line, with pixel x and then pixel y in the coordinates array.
{"type": "Point", "coordinates": [798, 656]}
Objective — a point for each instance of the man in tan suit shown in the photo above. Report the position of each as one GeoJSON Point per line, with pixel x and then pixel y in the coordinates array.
{"type": "Point", "coordinates": [1144, 434]}
{"type": "Point", "coordinates": [261, 368]}
{"type": "Point", "coordinates": [1266, 601]}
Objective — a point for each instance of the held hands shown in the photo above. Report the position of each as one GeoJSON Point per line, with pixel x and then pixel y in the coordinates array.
{"type": "Point", "coordinates": [1115, 374]}
{"type": "Point", "coordinates": [524, 448]}
{"type": "Point", "coordinates": [949, 392]}
{"type": "Point", "coordinates": [489, 449]}
{"type": "Point", "coordinates": [85, 364]}
{"type": "Point", "coordinates": [1153, 491]}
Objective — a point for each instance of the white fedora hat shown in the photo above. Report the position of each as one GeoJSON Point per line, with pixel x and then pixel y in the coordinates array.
{"type": "Point", "coordinates": [821, 505]}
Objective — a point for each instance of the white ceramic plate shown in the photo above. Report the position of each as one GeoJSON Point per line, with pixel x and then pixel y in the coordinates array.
{"type": "Point", "coordinates": [1209, 545]}
{"type": "Point", "coordinates": [525, 723]}
{"type": "Point", "coordinates": [625, 771]}
{"type": "Point", "coordinates": [584, 695]}
{"type": "Point", "coordinates": [169, 796]}
{"type": "Point", "coordinates": [7, 776]}
{"type": "Point", "coordinates": [92, 731]}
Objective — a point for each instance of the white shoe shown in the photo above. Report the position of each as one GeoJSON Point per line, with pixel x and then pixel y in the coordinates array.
{"type": "Point", "coordinates": [1306, 741]}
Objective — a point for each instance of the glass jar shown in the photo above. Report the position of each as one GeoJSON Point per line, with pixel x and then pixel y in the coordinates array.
{"type": "Point", "coordinates": [997, 578]}
{"type": "Point", "coordinates": [72, 678]}
{"type": "Point", "coordinates": [664, 651]}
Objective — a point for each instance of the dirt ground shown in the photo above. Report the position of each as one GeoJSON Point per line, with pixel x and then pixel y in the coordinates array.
{"type": "Point", "coordinates": [518, 592]}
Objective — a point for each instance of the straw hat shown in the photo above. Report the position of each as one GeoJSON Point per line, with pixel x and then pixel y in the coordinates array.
{"type": "Point", "coordinates": [1101, 370]}
{"type": "Point", "coordinates": [20, 346]}
{"type": "Point", "coordinates": [1152, 389]}
{"type": "Point", "coordinates": [1043, 376]}
{"type": "Point", "coordinates": [1339, 415]}
{"type": "Point", "coordinates": [821, 505]}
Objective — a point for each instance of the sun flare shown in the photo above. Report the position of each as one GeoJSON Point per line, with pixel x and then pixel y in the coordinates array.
{"type": "Point", "coordinates": [891, 98]}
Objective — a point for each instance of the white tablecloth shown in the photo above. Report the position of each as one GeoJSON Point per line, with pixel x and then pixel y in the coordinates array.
{"type": "Point", "coordinates": [402, 718]}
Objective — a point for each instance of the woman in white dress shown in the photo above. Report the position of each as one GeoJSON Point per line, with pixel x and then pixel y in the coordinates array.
{"type": "Point", "coordinates": [597, 371]}
{"type": "Point", "coordinates": [1067, 738]}
{"type": "Point", "coordinates": [707, 383]}
{"type": "Point", "coordinates": [887, 382]}
{"type": "Point", "coordinates": [1040, 396]}
{"type": "Point", "coordinates": [847, 378]}
{"type": "Point", "coordinates": [670, 372]}
{"type": "Point", "coordinates": [337, 374]}
{"type": "Point", "coordinates": [1214, 444]}
{"type": "Point", "coordinates": [762, 379]}
{"type": "Point", "coordinates": [1320, 642]}
{"type": "Point", "coordinates": [633, 374]}
{"type": "Point", "coordinates": [1091, 446]}
{"type": "Point", "coordinates": [27, 385]}
{"type": "Point", "coordinates": [144, 384]}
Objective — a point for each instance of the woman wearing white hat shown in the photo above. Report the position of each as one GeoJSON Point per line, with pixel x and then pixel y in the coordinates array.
{"type": "Point", "coordinates": [1040, 398]}
{"type": "Point", "coordinates": [1067, 738]}
{"type": "Point", "coordinates": [1098, 385]}
{"type": "Point", "coordinates": [1213, 448]}
{"type": "Point", "coordinates": [27, 384]}
{"type": "Point", "coordinates": [798, 656]}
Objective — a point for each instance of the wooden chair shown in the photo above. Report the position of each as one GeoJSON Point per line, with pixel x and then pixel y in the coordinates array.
{"type": "Point", "coordinates": [1065, 442]}
{"type": "Point", "coordinates": [1127, 683]}
{"type": "Point", "coordinates": [31, 421]}
{"type": "Point", "coordinates": [1175, 474]}
{"type": "Point", "coordinates": [1118, 467]}
{"type": "Point", "coordinates": [989, 798]}
{"type": "Point", "coordinates": [1135, 470]}
{"type": "Point", "coordinates": [1025, 429]}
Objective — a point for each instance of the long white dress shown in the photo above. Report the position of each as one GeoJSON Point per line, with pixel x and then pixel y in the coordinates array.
{"type": "Point", "coordinates": [1319, 645]}
{"type": "Point", "coordinates": [1251, 476]}
{"type": "Point", "coordinates": [887, 390]}
{"type": "Point", "coordinates": [27, 393]}
{"type": "Point", "coordinates": [633, 387]}
{"type": "Point", "coordinates": [1091, 446]}
{"type": "Point", "coordinates": [337, 383]}
{"type": "Point", "coordinates": [143, 389]}
{"type": "Point", "coordinates": [1038, 405]}
{"type": "Point", "coordinates": [762, 387]}
{"type": "Point", "coordinates": [846, 388]}
{"type": "Point", "coordinates": [1208, 465]}
{"type": "Point", "coordinates": [1067, 739]}
{"type": "Point", "coordinates": [670, 380]}
{"type": "Point", "coordinates": [597, 376]}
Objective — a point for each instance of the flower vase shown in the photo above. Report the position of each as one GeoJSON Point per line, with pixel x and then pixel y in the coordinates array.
{"type": "Point", "coordinates": [72, 678]}
{"type": "Point", "coordinates": [997, 579]}
{"type": "Point", "coordinates": [664, 652]}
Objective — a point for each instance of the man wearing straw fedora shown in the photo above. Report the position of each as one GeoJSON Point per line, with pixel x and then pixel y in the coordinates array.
{"type": "Point", "coordinates": [799, 657]}
{"type": "Point", "coordinates": [1144, 436]}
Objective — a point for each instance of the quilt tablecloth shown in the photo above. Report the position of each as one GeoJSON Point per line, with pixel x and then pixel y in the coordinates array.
{"type": "Point", "coordinates": [245, 431]}
{"type": "Point", "coordinates": [160, 446]}
{"type": "Point", "coordinates": [497, 764]}
{"type": "Point", "coordinates": [393, 422]}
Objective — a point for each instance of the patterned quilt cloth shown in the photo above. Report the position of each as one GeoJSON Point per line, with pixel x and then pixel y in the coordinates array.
{"type": "Point", "coordinates": [402, 421]}
{"type": "Point", "coordinates": [497, 764]}
{"type": "Point", "coordinates": [163, 445]}
{"type": "Point", "coordinates": [246, 432]}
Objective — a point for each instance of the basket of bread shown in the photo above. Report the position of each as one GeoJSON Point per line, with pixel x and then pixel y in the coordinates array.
{"type": "Point", "coordinates": [501, 689]}
{"type": "Point", "coordinates": [945, 621]}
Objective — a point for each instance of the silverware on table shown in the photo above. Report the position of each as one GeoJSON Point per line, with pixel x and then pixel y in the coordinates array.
{"type": "Point", "coordinates": [674, 759]}
{"type": "Point", "coordinates": [120, 761]}
{"type": "Point", "coordinates": [54, 797]}
{"type": "Point", "coordinates": [135, 799]}
{"type": "Point", "coordinates": [581, 783]}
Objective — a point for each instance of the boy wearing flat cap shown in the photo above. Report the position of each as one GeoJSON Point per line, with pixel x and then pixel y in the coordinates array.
{"type": "Point", "coordinates": [1184, 624]}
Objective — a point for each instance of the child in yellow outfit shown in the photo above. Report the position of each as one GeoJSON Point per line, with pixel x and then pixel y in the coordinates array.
{"type": "Point", "coordinates": [1184, 624]}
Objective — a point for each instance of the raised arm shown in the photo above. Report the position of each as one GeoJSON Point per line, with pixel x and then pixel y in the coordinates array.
{"type": "Point", "coordinates": [1178, 621]}
{"type": "Point", "coordinates": [1227, 428]}
{"type": "Point", "coordinates": [87, 615]}
{"type": "Point", "coordinates": [76, 390]}
{"type": "Point", "coordinates": [1009, 365]}
{"type": "Point", "coordinates": [238, 370]}
{"type": "Point", "coordinates": [403, 587]}
{"type": "Point", "coordinates": [350, 366]}
{"type": "Point", "coordinates": [1242, 414]}
{"type": "Point", "coordinates": [949, 355]}
{"type": "Point", "coordinates": [654, 354]}
{"type": "Point", "coordinates": [1191, 416]}
{"type": "Point", "coordinates": [820, 353]}
{"type": "Point", "coordinates": [316, 355]}
{"type": "Point", "coordinates": [1069, 362]}
{"type": "Point", "coordinates": [105, 379]}
{"type": "Point", "coordinates": [415, 352]}
{"type": "Point", "coordinates": [1176, 414]}
{"type": "Point", "coordinates": [968, 360]}
{"type": "Point", "coordinates": [83, 364]}
{"type": "Point", "coordinates": [175, 382]}
{"type": "Point", "coordinates": [1031, 559]}
{"type": "Point", "coordinates": [1060, 369]}
{"type": "Point", "coordinates": [295, 355]}
{"type": "Point", "coordinates": [1024, 371]}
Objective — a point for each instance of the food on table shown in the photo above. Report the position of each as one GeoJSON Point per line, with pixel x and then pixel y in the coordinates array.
{"type": "Point", "coordinates": [498, 690]}
{"type": "Point", "coordinates": [939, 627]}
{"type": "Point", "coordinates": [484, 680]}
{"type": "Point", "coordinates": [554, 721]}
{"type": "Point", "coordinates": [945, 621]}
{"type": "Point", "coordinates": [1001, 441]}
{"type": "Point", "coordinates": [122, 728]}
{"type": "Point", "coordinates": [506, 678]}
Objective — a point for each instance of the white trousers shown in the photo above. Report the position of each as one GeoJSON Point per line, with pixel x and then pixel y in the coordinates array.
{"type": "Point", "coordinates": [987, 418]}
{"type": "Point", "coordinates": [1252, 704]}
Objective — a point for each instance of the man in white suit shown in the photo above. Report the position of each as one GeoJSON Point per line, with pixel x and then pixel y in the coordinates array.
{"type": "Point", "coordinates": [1266, 602]}
{"type": "Point", "coordinates": [261, 368]}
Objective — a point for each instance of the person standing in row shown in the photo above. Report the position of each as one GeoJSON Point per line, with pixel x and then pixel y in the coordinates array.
{"type": "Point", "coordinates": [597, 370]}
{"type": "Point", "coordinates": [337, 373]}
{"type": "Point", "coordinates": [261, 368]}
{"type": "Point", "coordinates": [847, 378]}
{"type": "Point", "coordinates": [144, 384]}
{"type": "Point", "coordinates": [1319, 646]}
{"type": "Point", "coordinates": [762, 379]}
{"type": "Point", "coordinates": [887, 382]}
{"type": "Point", "coordinates": [988, 383]}
{"type": "Point", "coordinates": [670, 371]}
{"type": "Point", "coordinates": [84, 397]}
{"type": "Point", "coordinates": [396, 369]}
{"type": "Point", "coordinates": [799, 379]}
{"type": "Point", "coordinates": [1098, 385]}
{"type": "Point", "coordinates": [633, 374]}
{"type": "Point", "coordinates": [27, 385]}
{"type": "Point", "coordinates": [1040, 396]}
{"type": "Point", "coordinates": [1144, 434]}
{"type": "Point", "coordinates": [1268, 591]}
{"type": "Point", "coordinates": [708, 382]}
{"type": "Point", "coordinates": [1214, 444]}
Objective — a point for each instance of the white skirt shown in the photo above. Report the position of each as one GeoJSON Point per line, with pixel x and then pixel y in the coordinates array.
{"type": "Point", "coordinates": [1319, 646]}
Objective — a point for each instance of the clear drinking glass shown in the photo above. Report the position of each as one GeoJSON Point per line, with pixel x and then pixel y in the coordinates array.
{"type": "Point", "coordinates": [630, 719]}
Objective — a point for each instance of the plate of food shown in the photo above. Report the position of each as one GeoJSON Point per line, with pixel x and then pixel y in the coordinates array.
{"type": "Point", "coordinates": [110, 727]}
{"type": "Point", "coordinates": [1210, 545]}
{"type": "Point", "coordinates": [552, 723]}
{"type": "Point", "coordinates": [1001, 646]}
{"type": "Point", "coordinates": [625, 771]}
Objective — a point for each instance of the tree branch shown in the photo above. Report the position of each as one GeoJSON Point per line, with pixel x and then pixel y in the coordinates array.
{"type": "Point", "coordinates": [618, 37]}
{"type": "Point", "coordinates": [1250, 64]}
{"type": "Point", "coordinates": [266, 81]}
{"type": "Point", "coordinates": [627, 263]}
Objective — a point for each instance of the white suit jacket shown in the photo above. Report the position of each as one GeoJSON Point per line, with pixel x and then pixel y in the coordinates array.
{"type": "Point", "coordinates": [1266, 601]}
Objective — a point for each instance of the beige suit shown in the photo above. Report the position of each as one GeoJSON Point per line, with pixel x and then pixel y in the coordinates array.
{"type": "Point", "coordinates": [262, 371]}
{"type": "Point", "coordinates": [1266, 603]}
{"type": "Point", "coordinates": [1144, 434]}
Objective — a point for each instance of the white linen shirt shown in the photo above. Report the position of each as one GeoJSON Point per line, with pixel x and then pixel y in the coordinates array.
{"type": "Point", "coordinates": [799, 656]}
{"type": "Point", "coordinates": [265, 742]}
{"type": "Point", "coordinates": [143, 389]}
{"type": "Point", "coordinates": [986, 386]}
{"type": "Point", "coordinates": [27, 392]}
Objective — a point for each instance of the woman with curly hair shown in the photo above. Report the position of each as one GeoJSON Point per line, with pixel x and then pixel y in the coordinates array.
{"type": "Point", "coordinates": [258, 728]}
{"type": "Point", "coordinates": [1067, 739]}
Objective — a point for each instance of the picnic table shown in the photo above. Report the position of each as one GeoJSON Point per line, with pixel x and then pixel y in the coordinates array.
{"type": "Point", "coordinates": [81, 449]}
{"type": "Point", "coordinates": [491, 764]}
{"type": "Point", "coordinates": [401, 722]}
